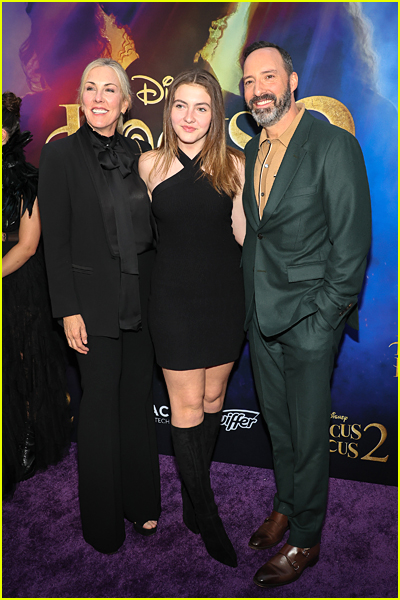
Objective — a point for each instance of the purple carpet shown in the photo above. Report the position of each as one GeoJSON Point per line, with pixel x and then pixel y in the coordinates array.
{"type": "Point", "coordinates": [45, 556]}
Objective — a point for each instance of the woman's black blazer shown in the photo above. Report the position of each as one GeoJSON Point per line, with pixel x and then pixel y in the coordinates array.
{"type": "Point", "coordinates": [84, 277]}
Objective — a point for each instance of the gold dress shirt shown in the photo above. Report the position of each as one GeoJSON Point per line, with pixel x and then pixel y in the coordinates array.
{"type": "Point", "coordinates": [269, 159]}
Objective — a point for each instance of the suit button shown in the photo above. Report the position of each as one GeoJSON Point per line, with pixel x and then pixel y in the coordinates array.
{"type": "Point", "coordinates": [260, 236]}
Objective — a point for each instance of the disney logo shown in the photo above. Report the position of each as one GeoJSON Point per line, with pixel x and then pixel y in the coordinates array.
{"type": "Point", "coordinates": [155, 93]}
{"type": "Point", "coordinates": [340, 417]}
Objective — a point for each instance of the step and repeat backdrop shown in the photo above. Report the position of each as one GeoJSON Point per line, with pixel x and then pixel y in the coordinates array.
{"type": "Point", "coordinates": [346, 57]}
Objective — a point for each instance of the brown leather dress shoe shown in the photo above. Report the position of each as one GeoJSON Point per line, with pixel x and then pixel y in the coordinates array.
{"type": "Point", "coordinates": [270, 533]}
{"type": "Point", "coordinates": [286, 566]}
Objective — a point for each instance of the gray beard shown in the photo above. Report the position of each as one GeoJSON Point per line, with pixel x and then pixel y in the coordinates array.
{"type": "Point", "coordinates": [266, 117]}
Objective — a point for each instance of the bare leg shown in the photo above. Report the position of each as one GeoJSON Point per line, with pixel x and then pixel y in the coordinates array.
{"type": "Point", "coordinates": [192, 393]}
{"type": "Point", "coordinates": [186, 391]}
{"type": "Point", "coordinates": [216, 382]}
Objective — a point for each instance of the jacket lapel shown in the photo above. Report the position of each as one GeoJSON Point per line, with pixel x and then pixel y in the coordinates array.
{"type": "Point", "coordinates": [100, 186]}
{"type": "Point", "coordinates": [249, 198]}
{"type": "Point", "coordinates": [291, 162]}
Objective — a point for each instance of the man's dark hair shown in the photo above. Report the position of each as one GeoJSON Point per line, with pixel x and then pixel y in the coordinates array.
{"type": "Point", "coordinates": [287, 59]}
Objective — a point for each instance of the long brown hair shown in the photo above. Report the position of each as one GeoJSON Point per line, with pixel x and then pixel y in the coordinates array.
{"type": "Point", "coordinates": [217, 160]}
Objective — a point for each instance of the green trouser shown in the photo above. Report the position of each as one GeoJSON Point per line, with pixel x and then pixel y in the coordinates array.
{"type": "Point", "coordinates": [292, 372]}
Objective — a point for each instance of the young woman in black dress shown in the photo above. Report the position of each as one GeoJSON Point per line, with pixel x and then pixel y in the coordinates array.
{"type": "Point", "coordinates": [196, 306]}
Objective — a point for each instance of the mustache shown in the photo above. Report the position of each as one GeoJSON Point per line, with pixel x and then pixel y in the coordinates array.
{"type": "Point", "coordinates": [263, 97]}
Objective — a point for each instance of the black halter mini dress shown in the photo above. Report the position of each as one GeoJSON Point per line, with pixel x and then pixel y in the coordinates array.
{"type": "Point", "coordinates": [196, 311]}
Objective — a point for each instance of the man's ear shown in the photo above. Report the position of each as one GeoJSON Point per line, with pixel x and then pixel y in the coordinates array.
{"type": "Point", "coordinates": [294, 81]}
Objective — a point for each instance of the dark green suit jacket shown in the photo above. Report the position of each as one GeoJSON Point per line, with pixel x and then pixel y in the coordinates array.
{"type": "Point", "coordinates": [310, 248]}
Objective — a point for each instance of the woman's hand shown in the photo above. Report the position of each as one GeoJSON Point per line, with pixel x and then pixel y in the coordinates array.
{"type": "Point", "coordinates": [75, 332]}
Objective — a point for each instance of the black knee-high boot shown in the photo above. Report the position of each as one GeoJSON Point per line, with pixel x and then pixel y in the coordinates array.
{"type": "Point", "coordinates": [211, 425]}
{"type": "Point", "coordinates": [189, 451]}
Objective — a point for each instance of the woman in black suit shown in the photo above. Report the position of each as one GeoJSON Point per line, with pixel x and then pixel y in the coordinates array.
{"type": "Point", "coordinates": [99, 247]}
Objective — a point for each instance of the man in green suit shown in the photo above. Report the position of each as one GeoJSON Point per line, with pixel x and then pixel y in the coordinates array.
{"type": "Point", "coordinates": [307, 205]}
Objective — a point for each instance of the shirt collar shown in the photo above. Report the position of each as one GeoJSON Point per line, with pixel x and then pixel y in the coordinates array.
{"type": "Point", "coordinates": [287, 135]}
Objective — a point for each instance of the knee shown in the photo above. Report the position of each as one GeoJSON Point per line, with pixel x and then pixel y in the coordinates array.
{"type": "Point", "coordinates": [187, 403]}
{"type": "Point", "coordinates": [186, 412]}
{"type": "Point", "coordinates": [214, 395]}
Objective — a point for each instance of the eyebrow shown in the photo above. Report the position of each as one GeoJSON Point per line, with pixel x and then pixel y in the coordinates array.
{"type": "Point", "coordinates": [94, 83]}
{"type": "Point", "coordinates": [262, 73]}
{"type": "Point", "coordinates": [197, 104]}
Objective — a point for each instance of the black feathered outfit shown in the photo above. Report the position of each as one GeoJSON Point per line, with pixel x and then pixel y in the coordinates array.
{"type": "Point", "coordinates": [34, 389]}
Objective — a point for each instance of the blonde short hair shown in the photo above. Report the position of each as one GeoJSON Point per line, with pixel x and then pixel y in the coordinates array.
{"type": "Point", "coordinates": [122, 78]}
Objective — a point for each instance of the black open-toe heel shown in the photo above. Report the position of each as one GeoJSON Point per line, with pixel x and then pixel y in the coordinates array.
{"type": "Point", "coordinates": [143, 531]}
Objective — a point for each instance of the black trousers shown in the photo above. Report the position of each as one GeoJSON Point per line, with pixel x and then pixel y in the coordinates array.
{"type": "Point", "coordinates": [117, 448]}
{"type": "Point", "coordinates": [292, 372]}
